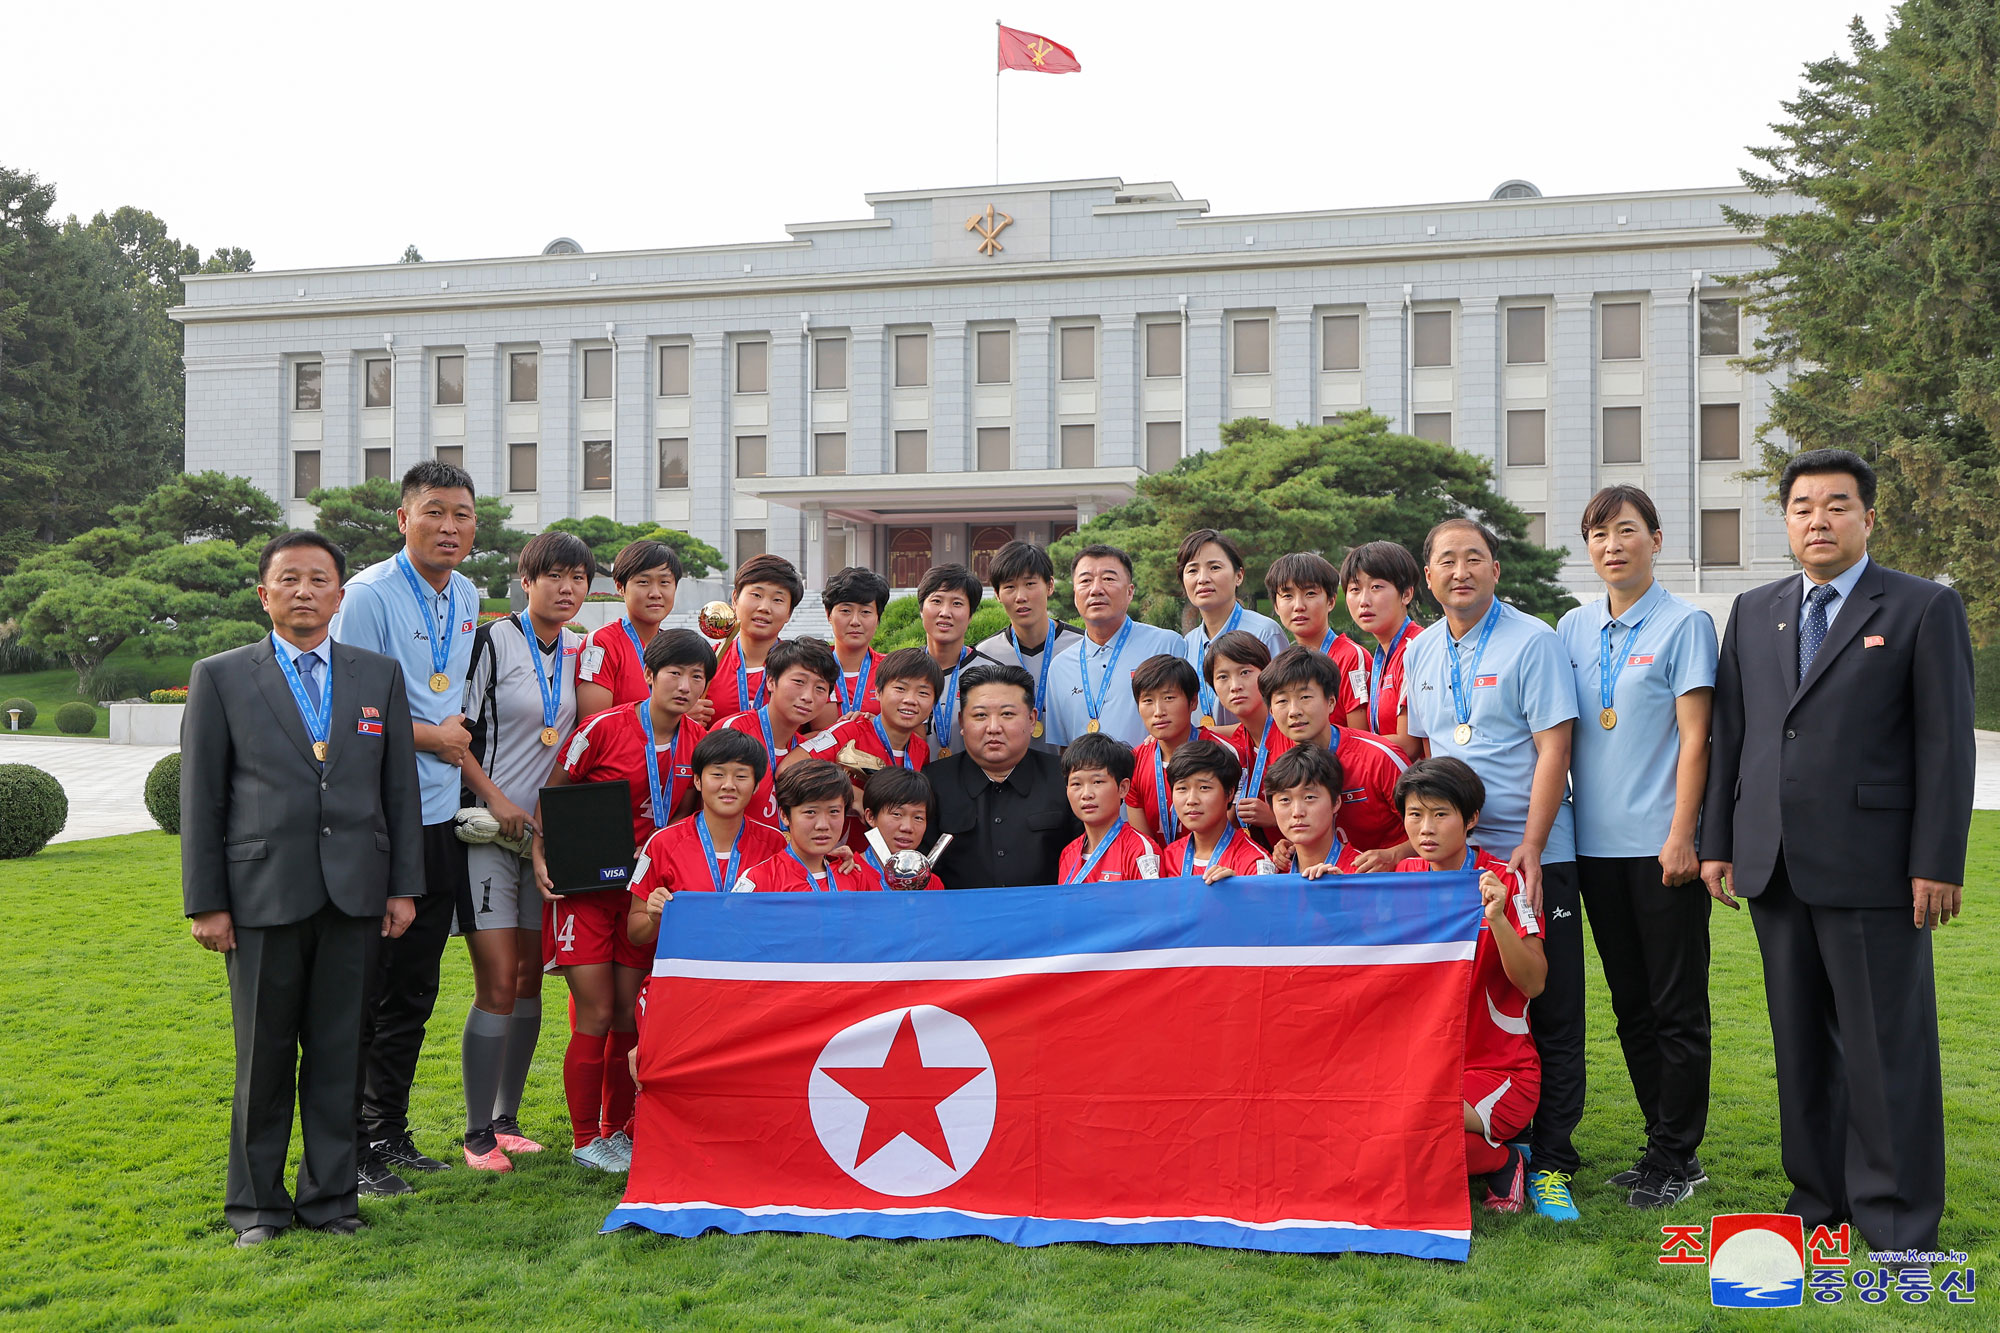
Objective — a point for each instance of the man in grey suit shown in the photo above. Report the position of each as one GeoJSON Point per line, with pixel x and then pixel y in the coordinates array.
{"type": "Point", "coordinates": [1839, 799]}
{"type": "Point", "coordinates": [301, 847]}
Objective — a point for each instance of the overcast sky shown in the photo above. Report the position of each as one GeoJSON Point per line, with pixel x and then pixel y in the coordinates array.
{"type": "Point", "coordinates": [326, 135]}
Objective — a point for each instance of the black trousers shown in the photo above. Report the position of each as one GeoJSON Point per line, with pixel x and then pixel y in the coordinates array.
{"type": "Point", "coordinates": [1860, 1091]}
{"type": "Point", "coordinates": [295, 1001]}
{"type": "Point", "coordinates": [1653, 943]}
{"type": "Point", "coordinates": [403, 989]}
{"type": "Point", "coordinates": [1556, 1017]}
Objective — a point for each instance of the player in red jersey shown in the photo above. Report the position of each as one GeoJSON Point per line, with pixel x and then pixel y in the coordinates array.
{"type": "Point", "coordinates": [1166, 689]}
{"type": "Point", "coordinates": [1097, 771]}
{"type": "Point", "coordinates": [1203, 778]}
{"type": "Point", "coordinates": [897, 802]}
{"type": "Point", "coordinates": [1303, 786]}
{"type": "Point", "coordinates": [813, 795]}
{"type": "Point", "coordinates": [946, 599]}
{"type": "Point", "coordinates": [1441, 800]}
{"type": "Point", "coordinates": [766, 592]}
{"type": "Point", "coordinates": [802, 673]}
{"type": "Point", "coordinates": [1232, 666]}
{"type": "Point", "coordinates": [1381, 583]}
{"type": "Point", "coordinates": [909, 683]}
{"type": "Point", "coordinates": [853, 600]}
{"type": "Point", "coordinates": [611, 672]}
{"type": "Point", "coordinates": [1297, 687]}
{"type": "Point", "coordinates": [1304, 589]}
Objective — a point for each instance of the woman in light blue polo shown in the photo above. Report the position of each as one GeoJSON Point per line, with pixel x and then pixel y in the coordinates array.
{"type": "Point", "coordinates": [1644, 662]}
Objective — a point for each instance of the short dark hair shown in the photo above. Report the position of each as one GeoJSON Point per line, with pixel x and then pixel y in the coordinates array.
{"type": "Point", "coordinates": [642, 555]}
{"type": "Point", "coordinates": [1239, 645]}
{"type": "Point", "coordinates": [1162, 670]}
{"type": "Point", "coordinates": [809, 780]}
{"type": "Point", "coordinates": [812, 654]}
{"type": "Point", "coordinates": [1604, 507]}
{"type": "Point", "coordinates": [547, 552]}
{"type": "Point", "coordinates": [678, 647]}
{"type": "Point", "coordinates": [1443, 779]}
{"type": "Point", "coordinates": [1094, 749]}
{"type": "Point", "coordinates": [951, 578]}
{"type": "Point", "coordinates": [1299, 665]}
{"type": "Point", "coordinates": [1470, 525]}
{"type": "Point", "coordinates": [769, 568]}
{"type": "Point", "coordinates": [995, 673]}
{"type": "Point", "coordinates": [1305, 766]}
{"type": "Point", "coordinates": [1192, 543]}
{"type": "Point", "coordinates": [726, 745]}
{"type": "Point", "coordinates": [910, 664]}
{"type": "Point", "coordinates": [1205, 756]}
{"type": "Point", "coordinates": [431, 475]}
{"type": "Point", "coordinates": [896, 785]}
{"type": "Point", "coordinates": [285, 541]}
{"type": "Point", "coordinates": [855, 585]}
{"type": "Point", "coordinates": [1101, 551]}
{"type": "Point", "coordinates": [1020, 560]}
{"type": "Point", "coordinates": [1818, 462]}
{"type": "Point", "coordinates": [1382, 560]}
{"type": "Point", "coordinates": [1303, 569]}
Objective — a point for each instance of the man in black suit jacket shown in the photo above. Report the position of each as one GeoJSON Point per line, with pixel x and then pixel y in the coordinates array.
{"type": "Point", "coordinates": [301, 845]}
{"type": "Point", "coordinates": [1006, 806]}
{"type": "Point", "coordinates": [1839, 800]}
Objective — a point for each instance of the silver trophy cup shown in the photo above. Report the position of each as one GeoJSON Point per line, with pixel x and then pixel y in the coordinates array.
{"type": "Point", "coordinates": [908, 869]}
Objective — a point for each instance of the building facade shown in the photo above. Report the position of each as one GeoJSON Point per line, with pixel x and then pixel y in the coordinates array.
{"type": "Point", "coordinates": [967, 366]}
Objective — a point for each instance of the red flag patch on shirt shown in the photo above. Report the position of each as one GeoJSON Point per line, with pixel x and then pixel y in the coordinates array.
{"type": "Point", "coordinates": [1638, 659]}
{"type": "Point", "coordinates": [366, 711]}
{"type": "Point", "coordinates": [1479, 682]}
{"type": "Point", "coordinates": [1872, 641]}
{"type": "Point", "coordinates": [366, 728]}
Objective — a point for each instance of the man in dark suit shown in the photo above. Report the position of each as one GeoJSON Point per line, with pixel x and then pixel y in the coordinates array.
{"type": "Point", "coordinates": [301, 846]}
{"type": "Point", "coordinates": [1006, 806]}
{"type": "Point", "coordinates": [1839, 799]}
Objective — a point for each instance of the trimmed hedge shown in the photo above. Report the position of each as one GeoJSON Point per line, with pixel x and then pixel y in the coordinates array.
{"type": "Point", "coordinates": [33, 809]}
{"type": "Point", "coordinates": [163, 792]}
{"type": "Point", "coordinates": [28, 712]}
{"type": "Point", "coordinates": [76, 719]}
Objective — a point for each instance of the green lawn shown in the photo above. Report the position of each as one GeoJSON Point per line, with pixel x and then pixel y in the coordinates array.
{"type": "Point", "coordinates": [50, 690]}
{"type": "Point", "coordinates": [114, 1103]}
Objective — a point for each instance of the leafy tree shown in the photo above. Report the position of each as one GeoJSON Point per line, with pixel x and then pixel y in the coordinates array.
{"type": "Point", "coordinates": [361, 521]}
{"type": "Point", "coordinates": [606, 537]}
{"type": "Point", "coordinates": [204, 506]}
{"type": "Point", "coordinates": [1275, 489]}
{"type": "Point", "coordinates": [902, 624]}
{"type": "Point", "coordinates": [411, 255]}
{"type": "Point", "coordinates": [1882, 299]}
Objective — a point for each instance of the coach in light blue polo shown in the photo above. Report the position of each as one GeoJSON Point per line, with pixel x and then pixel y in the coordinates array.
{"type": "Point", "coordinates": [1090, 685]}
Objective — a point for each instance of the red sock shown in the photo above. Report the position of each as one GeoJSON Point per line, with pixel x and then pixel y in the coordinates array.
{"type": "Point", "coordinates": [583, 1083]}
{"type": "Point", "coordinates": [1482, 1158]}
{"type": "Point", "coordinates": [619, 1093]}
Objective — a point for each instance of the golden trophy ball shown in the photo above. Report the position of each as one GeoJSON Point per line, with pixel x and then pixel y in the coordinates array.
{"type": "Point", "coordinates": [718, 620]}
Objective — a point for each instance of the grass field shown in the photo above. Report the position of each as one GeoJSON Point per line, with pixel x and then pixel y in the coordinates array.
{"type": "Point", "coordinates": [114, 1106]}
{"type": "Point", "coordinates": [51, 689]}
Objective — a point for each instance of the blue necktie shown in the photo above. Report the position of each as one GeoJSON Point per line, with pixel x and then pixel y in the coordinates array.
{"type": "Point", "coordinates": [309, 674]}
{"type": "Point", "coordinates": [1813, 632]}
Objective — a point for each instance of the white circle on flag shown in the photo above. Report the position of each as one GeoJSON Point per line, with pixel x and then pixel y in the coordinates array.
{"type": "Point", "coordinates": [951, 1053]}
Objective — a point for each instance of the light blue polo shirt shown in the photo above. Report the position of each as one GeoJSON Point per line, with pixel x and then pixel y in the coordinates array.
{"type": "Point", "coordinates": [1528, 689]}
{"type": "Point", "coordinates": [1622, 780]}
{"type": "Point", "coordinates": [381, 614]}
{"type": "Point", "coordinates": [1068, 716]}
{"type": "Point", "coordinates": [1266, 630]}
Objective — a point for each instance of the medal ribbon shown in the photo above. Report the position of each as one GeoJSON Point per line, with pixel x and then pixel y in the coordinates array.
{"type": "Point", "coordinates": [853, 705]}
{"type": "Point", "coordinates": [728, 880]}
{"type": "Point", "coordinates": [882, 733]}
{"type": "Point", "coordinates": [1083, 872]}
{"type": "Point", "coordinates": [1170, 827]}
{"type": "Point", "coordinates": [1214, 857]}
{"type": "Point", "coordinates": [812, 880]}
{"type": "Point", "coordinates": [1095, 702]}
{"type": "Point", "coordinates": [552, 688]}
{"type": "Point", "coordinates": [1253, 781]}
{"type": "Point", "coordinates": [1608, 672]}
{"type": "Point", "coordinates": [946, 708]}
{"type": "Point", "coordinates": [1208, 700]}
{"type": "Point", "coordinates": [318, 723]}
{"type": "Point", "coordinates": [1382, 656]}
{"type": "Point", "coordinates": [1461, 705]}
{"type": "Point", "coordinates": [1048, 655]}
{"type": "Point", "coordinates": [744, 703]}
{"type": "Point", "coordinates": [440, 641]}
{"type": "Point", "coordinates": [661, 811]}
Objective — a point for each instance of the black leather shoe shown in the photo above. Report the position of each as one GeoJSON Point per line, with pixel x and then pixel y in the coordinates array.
{"type": "Point", "coordinates": [401, 1154]}
{"type": "Point", "coordinates": [251, 1237]}
{"type": "Point", "coordinates": [341, 1226]}
{"type": "Point", "coordinates": [373, 1176]}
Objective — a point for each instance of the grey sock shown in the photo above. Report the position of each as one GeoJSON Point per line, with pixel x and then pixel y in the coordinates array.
{"type": "Point", "coordinates": [524, 1029]}
{"type": "Point", "coordinates": [482, 1053]}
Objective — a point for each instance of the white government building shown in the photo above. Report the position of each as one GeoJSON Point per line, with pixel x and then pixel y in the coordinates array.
{"type": "Point", "coordinates": [968, 366]}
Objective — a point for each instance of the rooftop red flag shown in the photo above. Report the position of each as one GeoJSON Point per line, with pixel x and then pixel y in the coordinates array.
{"type": "Point", "coordinates": [1035, 53]}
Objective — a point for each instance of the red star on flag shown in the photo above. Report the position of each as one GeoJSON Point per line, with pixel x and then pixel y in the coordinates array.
{"type": "Point", "coordinates": [903, 1095]}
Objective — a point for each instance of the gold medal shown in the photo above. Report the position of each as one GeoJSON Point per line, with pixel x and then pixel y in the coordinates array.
{"type": "Point", "coordinates": [550, 736]}
{"type": "Point", "coordinates": [319, 751]}
{"type": "Point", "coordinates": [1462, 733]}
{"type": "Point", "coordinates": [1092, 725]}
{"type": "Point", "coordinates": [439, 682]}
{"type": "Point", "coordinates": [1039, 729]}
{"type": "Point", "coordinates": [1207, 721]}
{"type": "Point", "coordinates": [1608, 718]}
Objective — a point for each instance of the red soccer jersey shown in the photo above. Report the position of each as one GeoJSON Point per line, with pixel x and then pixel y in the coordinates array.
{"type": "Point", "coordinates": [763, 803]}
{"type": "Point", "coordinates": [723, 691]}
{"type": "Point", "coordinates": [611, 659]}
{"type": "Point", "coordinates": [1496, 1021]}
{"type": "Point", "coordinates": [1120, 861]}
{"type": "Point", "coordinates": [1239, 852]}
{"type": "Point", "coordinates": [1385, 709]}
{"type": "Point", "coordinates": [1353, 664]}
{"type": "Point", "coordinates": [861, 731]}
{"type": "Point", "coordinates": [1149, 794]}
{"type": "Point", "coordinates": [1369, 768]}
{"type": "Point", "coordinates": [612, 745]}
{"type": "Point", "coordinates": [850, 681]}
{"type": "Point", "coordinates": [1346, 858]}
{"type": "Point", "coordinates": [785, 873]}
{"type": "Point", "coordinates": [673, 858]}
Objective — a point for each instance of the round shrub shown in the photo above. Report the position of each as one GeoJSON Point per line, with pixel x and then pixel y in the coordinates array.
{"type": "Point", "coordinates": [163, 792]}
{"type": "Point", "coordinates": [33, 809]}
{"type": "Point", "coordinates": [28, 712]}
{"type": "Point", "coordinates": [76, 719]}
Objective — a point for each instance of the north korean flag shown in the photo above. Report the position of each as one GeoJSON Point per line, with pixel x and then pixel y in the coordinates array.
{"type": "Point", "coordinates": [1267, 1063]}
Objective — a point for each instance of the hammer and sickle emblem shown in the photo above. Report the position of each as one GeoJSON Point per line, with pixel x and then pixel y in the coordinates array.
{"type": "Point", "coordinates": [1037, 51]}
{"type": "Point", "coordinates": [989, 225]}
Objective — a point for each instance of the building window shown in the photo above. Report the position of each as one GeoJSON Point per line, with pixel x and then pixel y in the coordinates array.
{"type": "Point", "coordinates": [1721, 427]}
{"type": "Point", "coordinates": [1719, 329]}
{"type": "Point", "coordinates": [305, 386]}
{"type": "Point", "coordinates": [913, 355]}
{"type": "Point", "coordinates": [985, 544]}
{"type": "Point", "coordinates": [1538, 528]}
{"type": "Point", "coordinates": [597, 372]}
{"type": "Point", "coordinates": [1621, 434]}
{"type": "Point", "coordinates": [749, 544]}
{"type": "Point", "coordinates": [673, 370]}
{"type": "Point", "coordinates": [1721, 537]}
{"type": "Point", "coordinates": [1433, 426]}
{"type": "Point", "coordinates": [753, 367]}
{"type": "Point", "coordinates": [995, 353]}
{"type": "Point", "coordinates": [1430, 338]}
{"type": "Point", "coordinates": [673, 463]}
{"type": "Point", "coordinates": [1252, 347]}
{"type": "Point", "coordinates": [524, 377]}
{"type": "Point", "coordinates": [829, 363]}
{"type": "Point", "coordinates": [750, 455]}
{"type": "Point", "coordinates": [1527, 335]}
{"type": "Point", "coordinates": [1079, 352]}
{"type": "Point", "coordinates": [911, 450]}
{"type": "Point", "coordinates": [305, 473]}
{"type": "Point", "coordinates": [1079, 446]}
{"type": "Point", "coordinates": [1527, 438]}
{"type": "Point", "coordinates": [451, 455]}
{"type": "Point", "coordinates": [830, 454]}
{"type": "Point", "coordinates": [521, 467]}
{"type": "Point", "coordinates": [909, 556]}
{"type": "Point", "coordinates": [1620, 333]}
{"type": "Point", "coordinates": [376, 465]}
{"type": "Point", "coordinates": [450, 381]}
{"type": "Point", "coordinates": [1163, 351]}
{"type": "Point", "coordinates": [995, 449]}
{"type": "Point", "coordinates": [1163, 445]}
{"type": "Point", "coordinates": [597, 465]}
{"type": "Point", "coordinates": [377, 382]}
{"type": "Point", "coordinates": [1340, 342]}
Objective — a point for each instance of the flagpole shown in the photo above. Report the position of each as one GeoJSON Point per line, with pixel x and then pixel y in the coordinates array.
{"type": "Point", "coordinates": [996, 102]}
